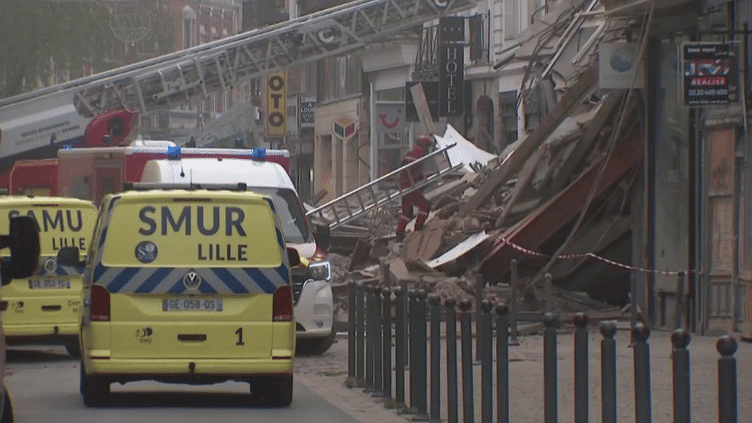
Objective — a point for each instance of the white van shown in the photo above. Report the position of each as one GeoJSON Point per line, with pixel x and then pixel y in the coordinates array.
{"type": "Point", "coordinates": [312, 290]}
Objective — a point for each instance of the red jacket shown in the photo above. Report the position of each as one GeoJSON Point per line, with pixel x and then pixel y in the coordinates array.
{"type": "Point", "coordinates": [416, 171]}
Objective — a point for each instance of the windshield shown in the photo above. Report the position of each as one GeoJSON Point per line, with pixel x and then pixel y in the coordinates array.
{"type": "Point", "coordinates": [295, 225]}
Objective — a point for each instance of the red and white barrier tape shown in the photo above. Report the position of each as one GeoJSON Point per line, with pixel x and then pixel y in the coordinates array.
{"type": "Point", "coordinates": [595, 256]}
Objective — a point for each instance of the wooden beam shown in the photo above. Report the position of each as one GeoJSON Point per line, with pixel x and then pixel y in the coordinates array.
{"type": "Point", "coordinates": [531, 143]}
{"type": "Point", "coordinates": [421, 106]}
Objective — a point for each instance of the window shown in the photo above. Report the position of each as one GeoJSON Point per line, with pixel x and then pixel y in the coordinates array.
{"type": "Point", "coordinates": [514, 20]}
{"type": "Point", "coordinates": [340, 77]}
{"type": "Point", "coordinates": [189, 27]}
{"type": "Point", "coordinates": [508, 104]}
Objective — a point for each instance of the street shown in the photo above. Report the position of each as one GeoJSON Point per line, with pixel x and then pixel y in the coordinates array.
{"type": "Point", "coordinates": [43, 382]}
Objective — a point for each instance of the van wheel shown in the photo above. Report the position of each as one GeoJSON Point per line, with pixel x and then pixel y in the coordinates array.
{"type": "Point", "coordinates": [96, 391]}
{"type": "Point", "coordinates": [7, 416]}
{"type": "Point", "coordinates": [73, 349]}
{"type": "Point", "coordinates": [276, 390]}
{"type": "Point", "coordinates": [315, 346]}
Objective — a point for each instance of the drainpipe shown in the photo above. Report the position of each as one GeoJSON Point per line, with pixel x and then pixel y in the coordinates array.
{"type": "Point", "coordinates": [374, 147]}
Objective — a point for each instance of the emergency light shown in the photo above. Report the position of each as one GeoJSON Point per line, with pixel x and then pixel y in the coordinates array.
{"type": "Point", "coordinates": [258, 154]}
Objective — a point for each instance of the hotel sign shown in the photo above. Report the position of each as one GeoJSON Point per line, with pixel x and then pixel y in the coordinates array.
{"type": "Point", "coordinates": [451, 65]}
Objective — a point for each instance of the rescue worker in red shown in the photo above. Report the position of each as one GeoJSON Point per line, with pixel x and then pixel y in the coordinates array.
{"type": "Point", "coordinates": [408, 178]}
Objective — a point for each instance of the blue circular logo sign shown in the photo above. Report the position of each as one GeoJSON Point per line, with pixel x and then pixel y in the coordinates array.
{"type": "Point", "coordinates": [146, 251]}
{"type": "Point", "coordinates": [622, 59]}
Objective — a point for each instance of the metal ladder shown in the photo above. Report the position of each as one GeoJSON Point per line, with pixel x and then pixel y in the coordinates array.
{"type": "Point", "coordinates": [384, 190]}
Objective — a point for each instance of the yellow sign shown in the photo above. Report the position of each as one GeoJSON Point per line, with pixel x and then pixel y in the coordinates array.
{"type": "Point", "coordinates": [276, 104]}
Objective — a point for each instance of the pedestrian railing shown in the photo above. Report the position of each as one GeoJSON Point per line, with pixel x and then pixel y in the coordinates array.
{"type": "Point", "coordinates": [374, 336]}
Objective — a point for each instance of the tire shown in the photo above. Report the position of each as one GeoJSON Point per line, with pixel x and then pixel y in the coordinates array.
{"type": "Point", "coordinates": [276, 390]}
{"type": "Point", "coordinates": [315, 346]}
{"type": "Point", "coordinates": [73, 349]}
{"type": "Point", "coordinates": [7, 416]}
{"type": "Point", "coordinates": [96, 391]}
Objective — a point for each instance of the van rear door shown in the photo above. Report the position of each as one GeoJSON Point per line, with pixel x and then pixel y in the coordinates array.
{"type": "Point", "coordinates": [192, 275]}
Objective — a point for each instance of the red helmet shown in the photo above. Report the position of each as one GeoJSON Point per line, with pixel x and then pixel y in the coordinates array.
{"type": "Point", "coordinates": [424, 140]}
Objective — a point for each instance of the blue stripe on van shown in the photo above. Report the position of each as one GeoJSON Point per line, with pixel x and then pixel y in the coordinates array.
{"type": "Point", "coordinates": [205, 288]}
{"type": "Point", "coordinates": [261, 280]}
{"type": "Point", "coordinates": [98, 272]}
{"type": "Point", "coordinates": [283, 273]}
{"type": "Point", "coordinates": [233, 283]}
{"type": "Point", "coordinates": [152, 281]}
{"type": "Point", "coordinates": [122, 278]}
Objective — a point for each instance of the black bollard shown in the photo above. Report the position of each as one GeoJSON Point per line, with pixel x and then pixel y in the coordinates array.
{"type": "Point", "coordinates": [550, 410]}
{"type": "Point", "coordinates": [386, 342]}
{"type": "Point", "coordinates": [399, 345]}
{"type": "Point", "coordinates": [370, 331]}
{"type": "Point", "coordinates": [502, 363]}
{"type": "Point", "coordinates": [451, 360]}
{"type": "Point", "coordinates": [467, 363]}
{"type": "Point", "coordinates": [641, 333]}
{"type": "Point", "coordinates": [486, 358]}
{"type": "Point", "coordinates": [421, 357]}
{"type": "Point", "coordinates": [435, 302]}
{"type": "Point", "coordinates": [351, 323]}
{"type": "Point", "coordinates": [513, 304]}
{"type": "Point", "coordinates": [608, 372]}
{"type": "Point", "coordinates": [548, 291]}
{"type": "Point", "coordinates": [680, 357]}
{"type": "Point", "coordinates": [581, 372]}
{"type": "Point", "coordinates": [412, 350]}
{"type": "Point", "coordinates": [727, 410]}
{"type": "Point", "coordinates": [360, 342]}
{"type": "Point", "coordinates": [378, 371]}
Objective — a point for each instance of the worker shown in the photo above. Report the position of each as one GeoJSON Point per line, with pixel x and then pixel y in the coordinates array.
{"type": "Point", "coordinates": [407, 179]}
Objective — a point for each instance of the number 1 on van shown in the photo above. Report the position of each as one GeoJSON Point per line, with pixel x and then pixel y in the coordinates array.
{"type": "Point", "coordinates": [239, 332]}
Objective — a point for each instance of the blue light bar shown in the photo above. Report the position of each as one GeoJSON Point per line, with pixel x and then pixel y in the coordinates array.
{"type": "Point", "coordinates": [173, 153]}
{"type": "Point", "coordinates": [258, 154]}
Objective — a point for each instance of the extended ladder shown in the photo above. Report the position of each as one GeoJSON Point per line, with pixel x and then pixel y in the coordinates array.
{"type": "Point", "coordinates": [384, 190]}
{"type": "Point", "coordinates": [155, 83]}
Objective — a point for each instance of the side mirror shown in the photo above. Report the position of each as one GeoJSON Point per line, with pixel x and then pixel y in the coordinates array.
{"type": "Point", "coordinates": [293, 257]}
{"type": "Point", "coordinates": [69, 256]}
{"type": "Point", "coordinates": [321, 234]}
{"type": "Point", "coordinates": [23, 241]}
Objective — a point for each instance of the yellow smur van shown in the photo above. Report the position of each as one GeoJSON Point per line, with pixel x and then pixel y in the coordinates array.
{"type": "Point", "coordinates": [188, 286]}
{"type": "Point", "coordinates": [46, 307]}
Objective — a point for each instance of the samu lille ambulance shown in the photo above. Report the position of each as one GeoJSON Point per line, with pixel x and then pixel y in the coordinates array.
{"type": "Point", "coordinates": [188, 286]}
{"type": "Point", "coordinates": [46, 307]}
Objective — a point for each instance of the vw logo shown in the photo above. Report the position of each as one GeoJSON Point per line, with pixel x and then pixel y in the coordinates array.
{"type": "Point", "coordinates": [50, 265]}
{"type": "Point", "coordinates": [192, 280]}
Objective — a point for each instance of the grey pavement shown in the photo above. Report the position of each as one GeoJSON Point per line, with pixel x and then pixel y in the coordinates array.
{"type": "Point", "coordinates": [526, 379]}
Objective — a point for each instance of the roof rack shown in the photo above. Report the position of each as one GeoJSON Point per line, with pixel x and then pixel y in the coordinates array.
{"type": "Point", "coordinates": [144, 186]}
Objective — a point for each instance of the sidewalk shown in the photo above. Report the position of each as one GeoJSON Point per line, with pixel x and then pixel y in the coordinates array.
{"type": "Point", "coordinates": [526, 380]}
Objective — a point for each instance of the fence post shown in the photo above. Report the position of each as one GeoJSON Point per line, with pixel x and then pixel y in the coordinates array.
{"type": "Point", "coordinates": [399, 346]}
{"type": "Point", "coordinates": [608, 372]}
{"type": "Point", "coordinates": [479, 284]}
{"type": "Point", "coordinates": [369, 339]}
{"type": "Point", "coordinates": [679, 311]}
{"type": "Point", "coordinates": [581, 372]}
{"type": "Point", "coordinates": [386, 343]}
{"type": "Point", "coordinates": [421, 357]}
{"type": "Point", "coordinates": [502, 363]}
{"type": "Point", "coordinates": [412, 350]}
{"type": "Point", "coordinates": [467, 363]}
{"type": "Point", "coordinates": [435, 302]}
{"type": "Point", "coordinates": [351, 322]}
{"type": "Point", "coordinates": [486, 357]}
{"type": "Point", "coordinates": [680, 357]}
{"type": "Point", "coordinates": [378, 370]}
{"type": "Point", "coordinates": [727, 410]}
{"type": "Point", "coordinates": [513, 304]}
{"type": "Point", "coordinates": [451, 359]}
{"type": "Point", "coordinates": [641, 333]}
{"type": "Point", "coordinates": [550, 320]}
{"type": "Point", "coordinates": [360, 336]}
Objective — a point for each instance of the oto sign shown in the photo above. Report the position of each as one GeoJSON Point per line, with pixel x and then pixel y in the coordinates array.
{"type": "Point", "coordinates": [276, 104]}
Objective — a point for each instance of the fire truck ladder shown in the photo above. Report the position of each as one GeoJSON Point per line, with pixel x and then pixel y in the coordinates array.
{"type": "Point", "coordinates": [384, 190]}
{"type": "Point", "coordinates": [219, 65]}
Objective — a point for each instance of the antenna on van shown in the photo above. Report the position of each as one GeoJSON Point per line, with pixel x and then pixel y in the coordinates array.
{"type": "Point", "coordinates": [182, 172]}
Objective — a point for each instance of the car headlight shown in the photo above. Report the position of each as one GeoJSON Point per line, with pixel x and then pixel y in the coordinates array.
{"type": "Point", "coordinates": [321, 270]}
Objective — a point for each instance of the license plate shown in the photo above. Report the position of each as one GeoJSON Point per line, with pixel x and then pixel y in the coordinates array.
{"type": "Point", "coordinates": [192, 304]}
{"type": "Point", "coordinates": [49, 284]}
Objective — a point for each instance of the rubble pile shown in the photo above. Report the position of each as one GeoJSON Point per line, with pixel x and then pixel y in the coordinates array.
{"type": "Point", "coordinates": [556, 201]}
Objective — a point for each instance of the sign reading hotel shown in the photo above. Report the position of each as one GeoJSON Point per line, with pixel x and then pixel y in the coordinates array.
{"type": "Point", "coordinates": [276, 104]}
{"type": "Point", "coordinates": [710, 73]}
{"type": "Point", "coordinates": [451, 65]}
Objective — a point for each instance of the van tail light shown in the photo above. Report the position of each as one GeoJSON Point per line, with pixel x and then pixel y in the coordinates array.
{"type": "Point", "coordinates": [282, 305]}
{"type": "Point", "coordinates": [99, 310]}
